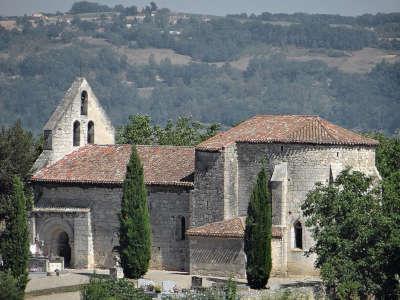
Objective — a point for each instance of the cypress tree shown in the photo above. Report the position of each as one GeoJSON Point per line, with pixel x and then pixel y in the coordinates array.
{"type": "Point", "coordinates": [14, 241]}
{"type": "Point", "coordinates": [134, 238]}
{"type": "Point", "coordinates": [258, 234]}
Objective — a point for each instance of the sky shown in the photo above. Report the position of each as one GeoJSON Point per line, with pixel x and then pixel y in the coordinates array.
{"type": "Point", "coordinates": [217, 7]}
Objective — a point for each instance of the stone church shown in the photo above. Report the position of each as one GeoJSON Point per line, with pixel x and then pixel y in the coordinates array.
{"type": "Point", "coordinates": [197, 196]}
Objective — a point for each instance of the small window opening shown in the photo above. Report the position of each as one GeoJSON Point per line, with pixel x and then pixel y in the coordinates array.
{"type": "Point", "coordinates": [48, 140]}
{"type": "Point", "coordinates": [337, 154]}
{"type": "Point", "coordinates": [182, 228]}
{"type": "Point", "coordinates": [281, 148]}
{"type": "Point", "coordinates": [77, 133]}
{"type": "Point", "coordinates": [298, 235]}
{"type": "Point", "coordinates": [90, 134]}
{"type": "Point", "coordinates": [84, 103]}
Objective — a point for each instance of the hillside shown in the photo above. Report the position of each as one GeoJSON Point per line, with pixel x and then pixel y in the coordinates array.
{"type": "Point", "coordinates": [216, 69]}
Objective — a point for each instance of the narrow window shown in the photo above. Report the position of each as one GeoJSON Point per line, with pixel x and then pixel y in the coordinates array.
{"type": "Point", "coordinates": [77, 133]}
{"type": "Point", "coordinates": [281, 148]}
{"type": "Point", "coordinates": [84, 103]}
{"type": "Point", "coordinates": [90, 134]}
{"type": "Point", "coordinates": [48, 143]}
{"type": "Point", "coordinates": [180, 229]}
{"type": "Point", "coordinates": [298, 235]}
{"type": "Point", "coordinates": [183, 228]}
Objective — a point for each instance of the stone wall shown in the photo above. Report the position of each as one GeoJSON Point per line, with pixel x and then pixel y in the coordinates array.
{"type": "Point", "coordinates": [167, 205]}
{"type": "Point", "coordinates": [62, 128]}
{"type": "Point", "coordinates": [225, 256]}
{"type": "Point", "coordinates": [207, 199]}
{"type": "Point", "coordinates": [217, 256]}
{"type": "Point", "coordinates": [306, 165]}
{"type": "Point", "coordinates": [230, 182]}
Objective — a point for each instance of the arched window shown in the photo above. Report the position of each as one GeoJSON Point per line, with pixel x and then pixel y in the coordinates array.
{"type": "Point", "coordinates": [77, 133]}
{"type": "Point", "coordinates": [90, 133]}
{"type": "Point", "coordinates": [84, 103]}
{"type": "Point", "coordinates": [298, 235]}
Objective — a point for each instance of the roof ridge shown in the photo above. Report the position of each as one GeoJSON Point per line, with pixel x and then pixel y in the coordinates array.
{"type": "Point", "coordinates": [330, 134]}
{"type": "Point", "coordinates": [64, 104]}
{"type": "Point", "coordinates": [316, 130]}
{"type": "Point", "coordinates": [164, 146]}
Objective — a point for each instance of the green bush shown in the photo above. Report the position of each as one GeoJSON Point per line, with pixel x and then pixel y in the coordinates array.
{"type": "Point", "coordinates": [203, 294]}
{"type": "Point", "coordinates": [9, 287]}
{"type": "Point", "coordinates": [111, 289]}
{"type": "Point", "coordinates": [231, 290]}
{"type": "Point", "coordinates": [226, 292]}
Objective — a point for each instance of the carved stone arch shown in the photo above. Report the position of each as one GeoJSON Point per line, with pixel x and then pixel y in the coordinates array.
{"type": "Point", "coordinates": [50, 232]}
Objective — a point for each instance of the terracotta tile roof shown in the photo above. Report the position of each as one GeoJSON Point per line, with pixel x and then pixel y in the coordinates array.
{"type": "Point", "coordinates": [163, 165]}
{"type": "Point", "coordinates": [232, 228]}
{"type": "Point", "coordinates": [286, 129]}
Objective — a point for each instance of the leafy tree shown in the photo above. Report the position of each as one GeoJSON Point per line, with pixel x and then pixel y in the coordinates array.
{"type": "Point", "coordinates": [88, 7]}
{"type": "Point", "coordinates": [18, 152]}
{"type": "Point", "coordinates": [391, 247]}
{"type": "Point", "coordinates": [153, 6]}
{"type": "Point", "coordinates": [138, 131]}
{"type": "Point", "coordinates": [14, 240]}
{"type": "Point", "coordinates": [134, 237]}
{"type": "Point", "coordinates": [387, 154]}
{"type": "Point", "coordinates": [352, 234]}
{"type": "Point", "coordinates": [258, 234]}
{"type": "Point", "coordinates": [131, 10]}
{"type": "Point", "coordinates": [185, 132]}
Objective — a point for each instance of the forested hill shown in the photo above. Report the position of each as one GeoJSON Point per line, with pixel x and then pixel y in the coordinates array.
{"type": "Point", "coordinates": [216, 69]}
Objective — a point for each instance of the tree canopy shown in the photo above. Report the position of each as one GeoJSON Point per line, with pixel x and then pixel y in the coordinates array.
{"type": "Point", "coordinates": [18, 152]}
{"type": "Point", "coordinates": [184, 132]}
{"type": "Point", "coordinates": [355, 235]}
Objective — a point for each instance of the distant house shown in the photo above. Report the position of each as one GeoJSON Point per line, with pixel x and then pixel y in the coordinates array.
{"type": "Point", "coordinates": [39, 15]}
{"type": "Point", "coordinates": [174, 32]}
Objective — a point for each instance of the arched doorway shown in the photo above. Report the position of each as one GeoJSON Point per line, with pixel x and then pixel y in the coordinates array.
{"type": "Point", "coordinates": [61, 247]}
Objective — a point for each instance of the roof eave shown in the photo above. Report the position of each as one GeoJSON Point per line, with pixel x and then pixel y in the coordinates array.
{"type": "Point", "coordinates": [117, 183]}
{"type": "Point", "coordinates": [330, 143]}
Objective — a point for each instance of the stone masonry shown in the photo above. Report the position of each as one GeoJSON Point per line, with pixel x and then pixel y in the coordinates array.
{"type": "Point", "coordinates": [197, 197]}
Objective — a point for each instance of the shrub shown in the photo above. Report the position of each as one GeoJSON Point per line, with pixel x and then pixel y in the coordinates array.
{"type": "Point", "coordinates": [116, 289]}
{"type": "Point", "coordinates": [231, 289]}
